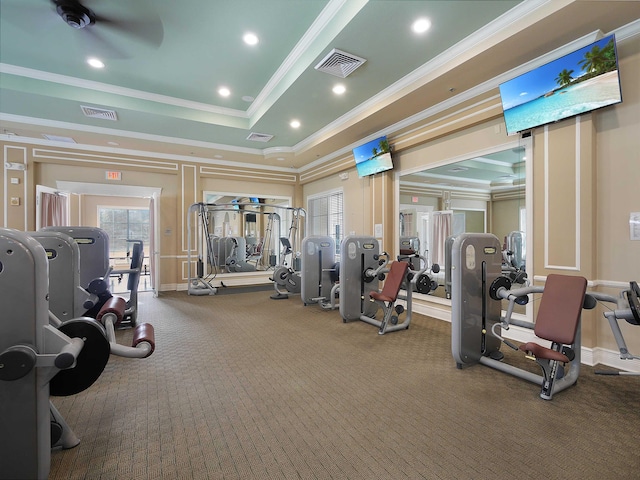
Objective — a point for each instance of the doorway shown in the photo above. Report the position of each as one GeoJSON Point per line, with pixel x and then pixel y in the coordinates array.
{"type": "Point", "coordinates": [121, 204]}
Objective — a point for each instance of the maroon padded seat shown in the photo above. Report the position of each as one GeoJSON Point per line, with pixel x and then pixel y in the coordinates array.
{"type": "Point", "coordinates": [558, 315]}
{"type": "Point", "coordinates": [392, 284]}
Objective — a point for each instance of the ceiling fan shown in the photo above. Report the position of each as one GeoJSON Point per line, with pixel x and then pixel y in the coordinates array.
{"type": "Point", "coordinates": [141, 25]}
{"type": "Point", "coordinates": [74, 13]}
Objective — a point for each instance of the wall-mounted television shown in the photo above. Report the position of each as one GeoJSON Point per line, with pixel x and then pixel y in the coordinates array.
{"type": "Point", "coordinates": [579, 82]}
{"type": "Point", "coordinates": [373, 157]}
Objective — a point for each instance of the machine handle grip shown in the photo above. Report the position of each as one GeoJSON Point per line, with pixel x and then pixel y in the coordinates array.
{"type": "Point", "coordinates": [69, 353]}
{"type": "Point", "coordinates": [511, 344]}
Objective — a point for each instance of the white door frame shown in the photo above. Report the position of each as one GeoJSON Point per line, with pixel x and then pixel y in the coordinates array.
{"type": "Point", "coordinates": [126, 191]}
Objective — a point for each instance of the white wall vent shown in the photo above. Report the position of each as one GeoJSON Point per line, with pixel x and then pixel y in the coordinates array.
{"type": "Point", "coordinates": [259, 137]}
{"type": "Point", "coordinates": [102, 113]}
{"type": "Point", "coordinates": [339, 63]}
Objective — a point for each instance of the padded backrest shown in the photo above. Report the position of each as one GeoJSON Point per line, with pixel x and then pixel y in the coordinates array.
{"type": "Point", "coordinates": [560, 308]}
{"type": "Point", "coordinates": [137, 257]}
{"type": "Point", "coordinates": [394, 279]}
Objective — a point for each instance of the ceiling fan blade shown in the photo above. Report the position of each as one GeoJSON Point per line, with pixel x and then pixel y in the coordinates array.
{"type": "Point", "coordinates": [98, 45]}
{"type": "Point", "coordinates": [148, 30]}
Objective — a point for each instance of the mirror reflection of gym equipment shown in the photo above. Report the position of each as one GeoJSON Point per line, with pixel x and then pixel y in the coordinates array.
{"type": "Point", "coordinates": [483, 192]}
{"type": "Point", "coordinates": [212, 253]}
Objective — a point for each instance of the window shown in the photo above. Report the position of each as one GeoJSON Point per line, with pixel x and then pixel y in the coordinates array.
{"type": "Point", "coordinates": [122, 224]}
{"type": "Point", "coordinates": [325, 216]}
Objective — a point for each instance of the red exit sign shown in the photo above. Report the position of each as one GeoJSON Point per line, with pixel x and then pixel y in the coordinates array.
{"type": "Point", "coordinates": [114, 175]}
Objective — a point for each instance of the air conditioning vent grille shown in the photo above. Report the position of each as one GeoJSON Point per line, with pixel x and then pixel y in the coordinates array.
{"type": "Point", "coordinates": [259, 137]}
{"type": "Point", "coordinates": [339, 63]}
{"type": "Point", "coordinates": [102, 113]}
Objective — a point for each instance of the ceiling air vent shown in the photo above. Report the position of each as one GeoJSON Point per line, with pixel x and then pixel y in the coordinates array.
{"type": "Point", "coordinates": [102, 113]}
{"type": "Point", "coordinates": [339, 63]}
{"type": "Point", "coordinates": [259, 137]}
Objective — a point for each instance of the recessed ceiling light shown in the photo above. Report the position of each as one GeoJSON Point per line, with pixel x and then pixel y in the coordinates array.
{"type": "Point", "coordinates": [115, 144]}
{"type": "Point", "coordinates": [224, 91]}
{"type": "Point", "coordinates": [295, 124]}
{"type": "Point", "coordinates": [248, 98]}
{"type": "Point", "coordinates": [95, 63]}
{"type": "Point", "coordinates": [339, 89]}
{"type": "Point", "coordinates": [280, 159]}
{"type": "Point", "coordinates": [250, 38]}
{"type": "Point", "coordinates": [421, 25]}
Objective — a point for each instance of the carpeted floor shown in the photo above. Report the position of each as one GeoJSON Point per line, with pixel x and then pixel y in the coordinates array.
{"type": "Point", "coordinates": [245, 387]}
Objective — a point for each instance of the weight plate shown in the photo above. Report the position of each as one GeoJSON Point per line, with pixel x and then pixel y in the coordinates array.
{"type": "Point", "coordinates": [423, 284]}
{"type": "Point", "coordinates": [90, 362]}
{"type": "Point", "coordinates": [497, 284]}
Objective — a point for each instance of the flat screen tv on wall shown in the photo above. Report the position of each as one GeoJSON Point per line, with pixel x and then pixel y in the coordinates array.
{"type": "Point", "coordinates": [373, 157]}
{"type": "Point", "coordinates": [579, 82]}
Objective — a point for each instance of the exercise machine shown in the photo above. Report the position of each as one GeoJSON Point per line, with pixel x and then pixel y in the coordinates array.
{"type": "Point", "coordinates": [71, 296]}
{"type": "Point", "coordinates": [94, 250]}
{"type": "Point", "coordinates": [320, 272]}
{"type": "Point", "coordinates": [362, 267]}
{"type": "Point", "coordinates": [212, 250]}
{"type": "Point", "coordinates": [478, 288]}
{"type": "Point", "coordinates": [627, 307]}
{"type": "Point", "coordinates": [67, 297]}
{"type": "Point", "coordinates": [130, 314]}
{"type": "Point", "coordinates": [31, 354]}
{"type": "Point", "coordinates": [237, 259]}
{"type": "Point", "coordinates": [40, 355]}
{"type": "Point", "coordinates": [410, 250]}
{"type": "Point", "coordinates": [286, 276]}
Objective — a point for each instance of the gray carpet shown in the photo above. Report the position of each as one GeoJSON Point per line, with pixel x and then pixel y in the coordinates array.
{"type": "Point", "coordinates": [245, 387]}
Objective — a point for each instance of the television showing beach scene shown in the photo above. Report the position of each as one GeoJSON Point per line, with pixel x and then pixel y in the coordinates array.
{"type": "Point", "coordinates": [579, 82]}
{"type": "Point", "coordinates": [373, 157]}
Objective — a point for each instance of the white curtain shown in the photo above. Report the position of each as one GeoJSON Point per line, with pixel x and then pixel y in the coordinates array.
{"type": "Point", "coordinates": [53, 210]}
{"type": "Point", "coordinates": [441, 230]}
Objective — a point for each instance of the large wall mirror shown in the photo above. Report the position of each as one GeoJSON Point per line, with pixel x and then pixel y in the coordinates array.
{"type": "Point", "coordinates": [246, 232]}
{"type": "Point", "coordinates": [482, 192]}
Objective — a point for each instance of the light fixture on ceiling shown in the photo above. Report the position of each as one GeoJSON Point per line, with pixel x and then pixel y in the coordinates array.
{"type": "Point", "coordinates": [250, 38]}
{"type": "Point", "coordinates": [295, 124]}
{"type": "Point", "coordinates": [224, 92]}
{"type": "Point", "coordinates": [339, 89]}
{"type": "Point", "coordinates": [248, 98]}
{"type": "Point", "coordinates": [421, 25]}
{"type": "Point", "coordinates": [95, 62]}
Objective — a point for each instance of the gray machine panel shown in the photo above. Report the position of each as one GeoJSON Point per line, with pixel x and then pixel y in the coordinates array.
{"type": "Point", "coordinates": [24, 450]}
{"type": "Point", "coordinates": [64, 265]}
{"type": "Point", "coordinates": [94, 250]}
{"type": "Point", "coordinates": [357, 254]}
{"type": "Point", "coordinates": [476, 261]}
{"type": "Point", "coordinates": [318, 258]}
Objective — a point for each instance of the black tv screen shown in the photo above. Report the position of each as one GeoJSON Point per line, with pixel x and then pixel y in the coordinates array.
{"type": "Point", "coordinates": [579, 82]}
{"type": "Point", "coordinates": [373, 157]}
